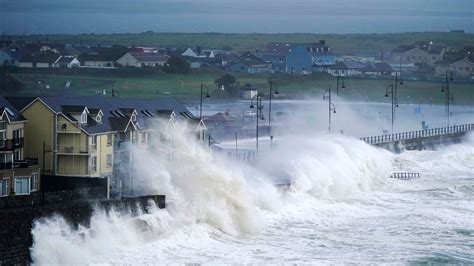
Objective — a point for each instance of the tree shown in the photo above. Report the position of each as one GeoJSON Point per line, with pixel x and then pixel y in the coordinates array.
{"type": "Point", "coordinates": [230, 84]}
{"type": "Point", "coordinates": [177, 65]}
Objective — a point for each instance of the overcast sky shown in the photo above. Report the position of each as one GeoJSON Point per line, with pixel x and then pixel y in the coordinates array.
{"type": "Point", "coordinates": [285, 14]}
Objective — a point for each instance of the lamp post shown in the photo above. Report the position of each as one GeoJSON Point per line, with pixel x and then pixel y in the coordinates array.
{"type": "Point", "coordinates": [207, 97]}
{"type": "Point", "coordinates": [449, 97]}
{"type": "Point", "coordinates": [270, 103]}
{"type": "Point", "coordinates": [258, 101]}
{"type": "Point", "coordinates": [391, 90]}
{"type": "Point", "coordinates": [331, 106]}
{"type": "Point", "coordinates": [337, 84]}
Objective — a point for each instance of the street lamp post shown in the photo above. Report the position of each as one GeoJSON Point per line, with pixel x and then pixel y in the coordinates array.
{"type": "Point", "coordinates": [331, 106]}
{"type": "Point", "coordinates": [337, 84]}
{"type": "Point", "coordinates": [270, 107]}
{"type": "Point", "coordinates": [259, 115]}
{"type": "Point", "coordinates": [207, 97]}
{"type": "Point", "coordinates": [449, 96]}
{"type": "Point", "coordinates": [392, 90]}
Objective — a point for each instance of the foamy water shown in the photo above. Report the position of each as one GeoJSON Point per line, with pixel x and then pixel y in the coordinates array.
{"type": "Point", "coordinates": [342, 208]}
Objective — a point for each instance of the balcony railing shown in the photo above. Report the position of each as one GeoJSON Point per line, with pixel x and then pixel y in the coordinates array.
{"type": "Point", "coordinates": [73, 150]}
{"type": "Point", "coordinates": [11, 144]}
{"type": "Point", "coordinates": [26, 163]}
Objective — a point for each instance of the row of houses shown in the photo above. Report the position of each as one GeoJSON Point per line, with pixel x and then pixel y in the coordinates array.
{"type": "Point", "coordinates": [297, 58]}
{"type": "Point", "coordinates": [43, 55]}
{"type": "Point", "coordinates": [82, 137]}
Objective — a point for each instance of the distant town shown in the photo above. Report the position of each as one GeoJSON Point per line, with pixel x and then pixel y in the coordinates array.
{"type": "Point", "coordinates": [420, 59]}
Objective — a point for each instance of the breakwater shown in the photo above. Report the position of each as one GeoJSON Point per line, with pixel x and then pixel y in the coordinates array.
{"type": "Point", "coordinates": [18, 214]}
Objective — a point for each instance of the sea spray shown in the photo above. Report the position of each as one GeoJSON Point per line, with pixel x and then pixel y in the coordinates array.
{"type": "Point", "coordinates": [55, 241]}
{"type": "Point", "coordinates": [208, 189]}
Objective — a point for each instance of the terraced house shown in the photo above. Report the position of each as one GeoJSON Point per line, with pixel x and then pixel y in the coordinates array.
{"type": "Point", "coordinates": [93, 136]}
{"type": "Point", "coordinates": [18, 175]}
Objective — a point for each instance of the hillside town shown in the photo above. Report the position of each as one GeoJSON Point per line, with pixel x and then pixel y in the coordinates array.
{"type": "Point", "coordinates": [421, 59]}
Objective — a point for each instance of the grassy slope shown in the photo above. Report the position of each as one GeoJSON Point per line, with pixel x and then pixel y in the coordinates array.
{"type": "Point", "coordinates": [347, 43]}
{"type": "Point", "coordinates": [186, 87]}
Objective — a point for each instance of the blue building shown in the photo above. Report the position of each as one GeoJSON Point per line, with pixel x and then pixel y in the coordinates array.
{"type": "Point", "coordinates": [299, 57]}
{"type": "Point", "coordinates": [299, 60]}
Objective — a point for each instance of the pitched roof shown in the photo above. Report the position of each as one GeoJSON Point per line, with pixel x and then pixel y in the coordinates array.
{"type": "Point", "coordinates": [149, 57]}
{"type": "Point", "coordinates": [348, 64]}
{"type": "Point", "coordinates": [6, 105]}
{"type": "Point", "coordinates": [112, 120]}
{"type": "Point", "coordinates": [45, 57]}
{"type": "Point", "coordinates": [219, 118]}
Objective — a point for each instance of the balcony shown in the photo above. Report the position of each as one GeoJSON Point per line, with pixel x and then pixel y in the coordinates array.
{"type": "Point", "coordinates": [64, 128]}
{"type": "Point", "coordinates": [73, 150]}
{"type": "Point", "coordinates": [23, 164]}
{"type": "Point", "coordinates": [11, 144]}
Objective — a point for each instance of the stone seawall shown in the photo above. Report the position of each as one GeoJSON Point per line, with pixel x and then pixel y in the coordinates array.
{"type": "Point", "coordinates": [16, 220]}
{"type": "Point", "coordinates": [422, 143]}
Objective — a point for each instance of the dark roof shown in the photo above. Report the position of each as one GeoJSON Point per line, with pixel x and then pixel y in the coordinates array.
{"type": "Point", "coordinates": [72, 109]}
{"type": "Point", "coordinates": [111, 120]}
{"type": "Point", "coordinates": [383, 67]}
{"type": "Point", "coordinates": [149, 57]}
{"type": "Point", "coordinates": [425, 46]}
{"type": "Point", "coordinates": [65, 59]}
{"type": "Point", "coordinates": [20, 102]}
{"type": "Point", "coordinates": [4, 104]}
{"type": "Point", "coordinates": [227, 57]}
{"type": "Point", "coordinates": [349, 64]}
{"type": "Point", "coordinates": [218, 118]}
{"type": "Point", "coordinates": [45, 57]}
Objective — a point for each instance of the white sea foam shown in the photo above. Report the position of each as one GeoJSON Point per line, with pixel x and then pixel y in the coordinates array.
{"type": "Point", "coordinates": [341, 208]}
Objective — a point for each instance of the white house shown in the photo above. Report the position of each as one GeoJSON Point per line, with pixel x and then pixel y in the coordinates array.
{"type": "Point", "coordinates": [39, 60]}
{"type": "Point", "coordinates": [191, 53]}
{"type": "Point", "coordinates": [67, 62]}
{"type": "Point", "coordinates": [140, 59]}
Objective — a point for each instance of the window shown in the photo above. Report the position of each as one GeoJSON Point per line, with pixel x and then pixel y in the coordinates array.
{"type": "Point", "coordinates": [109, 140]}
{"type": "Point", "coordinates": [134, 117]}
{"type": "Point", "coordinates": [144, 138]}
{"type": "Point", "coordinates": [22, 185]}
{"type": "Point", "coordinates": [4, 189]}
{"type": "Point", "coordinates": [84, 117]}
{"type": "Point", "coordinates": [3, 138]}
{"type": "Point", "coordinates": [94, 142]}
{"type": "Point", "coordinates": [93, 164]}
{"type": "Point", "coordinates": [98, 118]}
{"type": "Point", "coordinates": [17, 136]}
{"type": "Point", "coordinates": [17, 156]}
{"type": "Point", "coordinates": [109, 160]}
{"type": "Point", "coordinates": [6, 160]}
{"type": "Point", "coordinates": [34, 182]}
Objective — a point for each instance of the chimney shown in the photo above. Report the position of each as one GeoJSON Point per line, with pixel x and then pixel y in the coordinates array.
{"type": "Point", "coordinates": [322, 42]}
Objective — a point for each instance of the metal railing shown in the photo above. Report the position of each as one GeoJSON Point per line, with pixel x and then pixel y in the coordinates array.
{"type": "Point", "coordinates": [11, 144]}
{"type": "Point", "coordinates": [405, 176]}
{"type": "Point", "coordinates": [418, 134]}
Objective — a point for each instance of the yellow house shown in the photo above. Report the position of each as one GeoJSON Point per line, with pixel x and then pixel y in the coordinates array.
{"type": "Point", "coordinates": [92, 136]}
{"type": "Point", "coordinates": [19, 174]}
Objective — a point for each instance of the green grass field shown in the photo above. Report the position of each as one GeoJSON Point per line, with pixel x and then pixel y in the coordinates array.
{"type": "Point", "coordinates": [372, 44]}
{"type": "Point", "coordinates": [187, 87]}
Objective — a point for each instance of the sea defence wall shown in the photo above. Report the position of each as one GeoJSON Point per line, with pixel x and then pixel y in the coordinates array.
{"type": "Point", "coordinates": [18, 214]}
{"type": "Point", "coordinates": [422, 139]}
